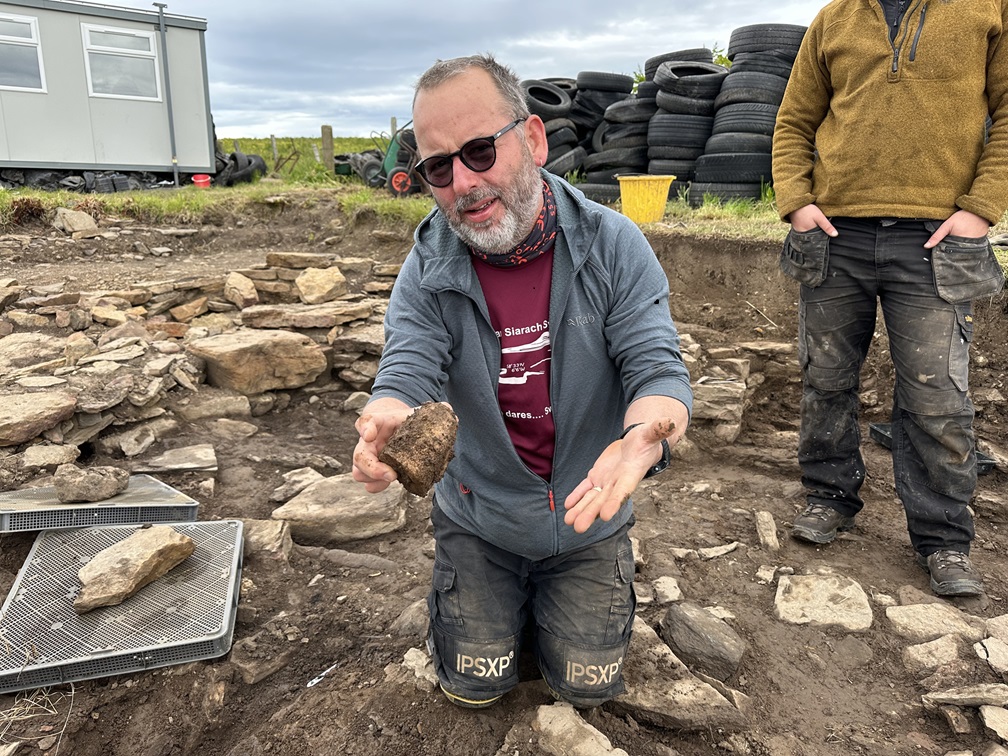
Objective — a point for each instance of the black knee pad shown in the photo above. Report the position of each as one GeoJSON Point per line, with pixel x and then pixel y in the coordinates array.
{"type": "Point", "coordinates": [582, 675]}
{"type": "Point", "coordinates": [474, 673]}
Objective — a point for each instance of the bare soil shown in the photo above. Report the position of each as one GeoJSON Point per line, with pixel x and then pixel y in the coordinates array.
{"type": "Point", "coordinates": [814, 691]}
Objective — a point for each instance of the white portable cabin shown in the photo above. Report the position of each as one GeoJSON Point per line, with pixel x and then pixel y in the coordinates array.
{"type": "Point", "coordinates": [85, 86]}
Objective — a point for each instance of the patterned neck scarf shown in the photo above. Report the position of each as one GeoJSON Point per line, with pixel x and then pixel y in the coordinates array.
{"type": "Point", "coordinates": [538, 241]}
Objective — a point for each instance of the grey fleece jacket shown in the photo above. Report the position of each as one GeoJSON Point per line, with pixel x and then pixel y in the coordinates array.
{"type": "Point", "coordinates": [613, 341]}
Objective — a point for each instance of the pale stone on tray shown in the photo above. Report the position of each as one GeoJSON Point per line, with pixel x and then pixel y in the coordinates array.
{"type": "Point", "coordinates": [562, 730]}
{"type": "Point", "coordinates": [119, 571]}
{"type": "Point", "coordinates": [822, 600]}
{"type": "Point", "coordinates": [99, 483]}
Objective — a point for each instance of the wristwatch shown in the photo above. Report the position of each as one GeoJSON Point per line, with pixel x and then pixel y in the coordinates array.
{"type": "Point", "coordinates": [666, 453]}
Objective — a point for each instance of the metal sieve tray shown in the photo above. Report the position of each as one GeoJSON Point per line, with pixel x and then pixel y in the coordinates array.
{"type": "Point", "coordinates": [145, 500]}
{"type": "Point", "coordinates": [185, 615]}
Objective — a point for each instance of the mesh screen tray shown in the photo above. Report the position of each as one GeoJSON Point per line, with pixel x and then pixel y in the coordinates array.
{"type": "Point", "coordinates": [145, 500]}
{"type": "Point", "coordinates": [186, 615]}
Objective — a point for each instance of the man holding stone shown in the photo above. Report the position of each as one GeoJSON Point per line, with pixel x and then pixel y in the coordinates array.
{"type": "Point", "coordinates": [543, 320]}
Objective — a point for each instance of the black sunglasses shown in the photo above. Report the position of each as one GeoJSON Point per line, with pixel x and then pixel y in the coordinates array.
{"type": "Point", "coordinates": [477, 155]}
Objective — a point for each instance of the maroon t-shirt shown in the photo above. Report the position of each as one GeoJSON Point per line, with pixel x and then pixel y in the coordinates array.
{"type": "Point", "coordinates": [518, 300]}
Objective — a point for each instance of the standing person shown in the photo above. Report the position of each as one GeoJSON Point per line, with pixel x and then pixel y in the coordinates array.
{"type": "Point", "coordinates": [883, 167]}
{"type": "Point", "coordinates": [543, 320]}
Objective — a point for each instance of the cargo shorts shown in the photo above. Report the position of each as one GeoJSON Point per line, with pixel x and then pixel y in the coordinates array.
{"type": "Point", "coordinates": [581, 604]}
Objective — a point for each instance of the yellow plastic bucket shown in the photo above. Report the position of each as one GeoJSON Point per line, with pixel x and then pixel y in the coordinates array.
{"type": "Point", "coordinates": [643, 197]}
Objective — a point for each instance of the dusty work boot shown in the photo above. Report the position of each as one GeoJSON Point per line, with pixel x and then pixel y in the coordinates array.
{"type": "Point", "coordinates": [819, 524]}
{"type": "Point", "coordinates": [952, 574]}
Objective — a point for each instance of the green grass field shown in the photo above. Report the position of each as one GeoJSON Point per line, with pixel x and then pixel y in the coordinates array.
{"type": "Point", "coordinates": [295, 163]}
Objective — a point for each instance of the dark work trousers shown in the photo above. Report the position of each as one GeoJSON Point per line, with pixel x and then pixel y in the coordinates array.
{"type": "Point", "coordinates": [926, 299]}
{"type": "Point", "coordinates": [582, 602]}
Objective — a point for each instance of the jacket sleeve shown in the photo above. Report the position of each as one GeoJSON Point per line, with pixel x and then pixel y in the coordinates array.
{"type": "Point", "coordinates": [642, 338]}
{"type": "Point", "coordinates": [805, 105]}
{"type": "Point", "coordinates": [413, 365]}
{"type": "Point", "coordinates": [988, 195]}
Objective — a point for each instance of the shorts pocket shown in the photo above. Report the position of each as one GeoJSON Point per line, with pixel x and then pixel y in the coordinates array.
{"type": "Point", "coordinates": [962, 336]}
{"type": "Point", "coordinates": [965, 269]}
{"type": "Point", "coordinates": [805, 256]}
{"type": "Point", "coordinates": [445, 595]}
{"type": "Point", "coordinates": [623, 595]}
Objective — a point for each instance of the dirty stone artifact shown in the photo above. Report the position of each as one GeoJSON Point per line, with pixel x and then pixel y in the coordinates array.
{"type": "Point", "coordinates": [98, 483]}
{"type": "Point", "coordinates": [421, 448]}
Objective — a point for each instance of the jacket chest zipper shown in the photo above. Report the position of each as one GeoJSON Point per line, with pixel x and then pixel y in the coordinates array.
{"type": "Point", "coordinates": [920, 27]}
{"type": "Point", "coordinates": [913, 46]}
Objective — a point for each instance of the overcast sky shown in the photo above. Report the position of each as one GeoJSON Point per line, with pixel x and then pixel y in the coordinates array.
{"type": "Point", "coordinates": [286, 68]}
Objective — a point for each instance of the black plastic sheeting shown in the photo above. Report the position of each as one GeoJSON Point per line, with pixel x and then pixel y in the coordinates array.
{"type": "Point", "coordinates": [232, 169]}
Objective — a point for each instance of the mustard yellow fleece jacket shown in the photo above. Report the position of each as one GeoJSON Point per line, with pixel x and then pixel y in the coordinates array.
{"type": "Point", "coordinates": [873, 128]}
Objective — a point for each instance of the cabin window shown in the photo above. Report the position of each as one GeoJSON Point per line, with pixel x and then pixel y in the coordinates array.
{"type": "Point", "coordinates": [121, 63]}
{"type": "Point", "coordinates": [20, 54]}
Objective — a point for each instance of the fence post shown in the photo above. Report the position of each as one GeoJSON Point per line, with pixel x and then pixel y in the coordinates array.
{"type": "Point", "coordinates": [327, 148]}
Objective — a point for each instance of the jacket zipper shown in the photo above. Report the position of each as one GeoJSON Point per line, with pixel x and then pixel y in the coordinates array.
{"type": "Point", "coordinates": [920, 27]}
{"type": "Point", "coordinates": [896, 48]}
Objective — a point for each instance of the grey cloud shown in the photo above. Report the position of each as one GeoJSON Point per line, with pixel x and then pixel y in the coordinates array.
{"type": "Point", "coordinates": [296, 65]}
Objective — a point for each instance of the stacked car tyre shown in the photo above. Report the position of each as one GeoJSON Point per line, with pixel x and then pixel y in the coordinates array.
{"type": "Point", "coordinates": [596, 91]}
{"type": "Point", "coordinates": [686, 93]}
{"type": "Point", "coordinates": [619, 145]}
{"type": "Point", "coordinates": [550, 99]}
{"type": "Point", "coordinates": [736, 158]}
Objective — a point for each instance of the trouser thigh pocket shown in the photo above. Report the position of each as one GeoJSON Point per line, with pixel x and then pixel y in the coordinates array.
{"type": "Point", "coordinates": [805, 256]}
{"type": "Point", "coordinates": [965, 268]}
